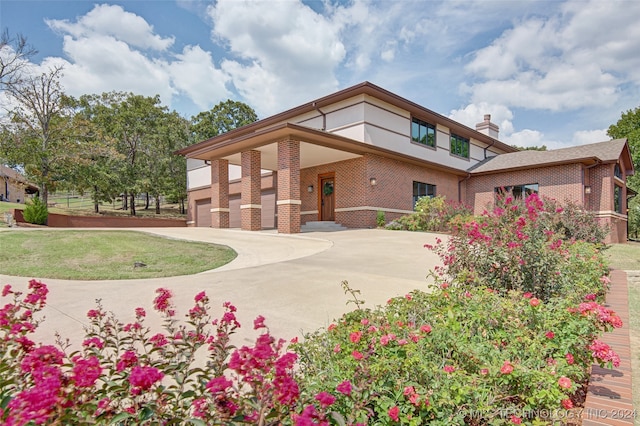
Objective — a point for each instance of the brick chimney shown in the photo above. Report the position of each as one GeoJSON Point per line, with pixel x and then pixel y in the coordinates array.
{"type": "Point", "coordinates": [487, 127]}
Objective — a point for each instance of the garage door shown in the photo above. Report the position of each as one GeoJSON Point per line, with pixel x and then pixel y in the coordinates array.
{"type": "Point", "coordinates": [234, 211]}
{"type": "Point", "coordinates": [203, 213]}
{"type": "Point", "coordinates": [269, 209]}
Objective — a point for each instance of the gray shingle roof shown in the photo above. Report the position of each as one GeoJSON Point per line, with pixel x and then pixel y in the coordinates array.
{"type": "Point", "coordinates": [602, 151]}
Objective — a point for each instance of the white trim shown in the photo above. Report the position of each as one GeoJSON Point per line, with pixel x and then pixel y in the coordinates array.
{"type": "Point", "coordinates": [250, 206]}
{"type": "Point", "coordinates": [310, 212]}
{"type": "Point", "coordinates": [191, 222]}
{"type": "Point", "coordinates": [371, 208]}
{"type": "Point", "coordinates": [609, 213]}
{"type": "Point", "coordinates": [220, 209]}
{"type": "Point", "coordinates": [281, 202]}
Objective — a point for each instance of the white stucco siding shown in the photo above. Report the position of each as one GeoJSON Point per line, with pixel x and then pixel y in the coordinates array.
{"type": "Point", "coordinates": [198, 178]}
{"type": "Point", "coordinates": [194, 163]}
{"type": "Point", "coordinates": [355, 132]}
{"type": "Point", "coordinates": [477, 152]}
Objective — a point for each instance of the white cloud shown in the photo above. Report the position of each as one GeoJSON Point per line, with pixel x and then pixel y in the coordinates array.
{"type": "Point", "coordinates": [578, 58]}
{"type": "Point", "coordinates": [528, 137]}
{"type": "Point", "coordinates": [195, 74]}
{"type": "Point", "coordinates": [287, 53]}
{"type": "Point", "coordinates": [114, 21]}
{"type": "Point", "coordinates": [583, 137]}
{"type": "Point", "coordinates": [474, 113]}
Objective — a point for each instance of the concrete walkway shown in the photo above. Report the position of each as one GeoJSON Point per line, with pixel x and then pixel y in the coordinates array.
{"type": "Point", "coordinates": [292, 280]}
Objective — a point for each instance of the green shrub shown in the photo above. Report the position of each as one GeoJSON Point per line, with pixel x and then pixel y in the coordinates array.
{"type": "Point", "coordinates": [572, 222]}
{"type": "Point", "coordinates": [516, 247]}
{"type": "Point", "coordinates": [36, 212]}
{"type": "Point", "coordinates": [453, 357]}
{"type": "Point", "coordinates": [381, 220]}
{"type": "Point", "coordinates": [432, 214]}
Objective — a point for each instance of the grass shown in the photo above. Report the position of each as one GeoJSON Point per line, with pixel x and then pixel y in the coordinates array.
{"type": "Point", "coordinates": [627, 257]}
{"type": "Point", "coordinates": [105, 255]}
{"type": "Point", "coordinates": [73, 204]}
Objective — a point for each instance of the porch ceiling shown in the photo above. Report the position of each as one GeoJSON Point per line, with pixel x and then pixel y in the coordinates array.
{"type": "Point", "coordinates": [310, 155]}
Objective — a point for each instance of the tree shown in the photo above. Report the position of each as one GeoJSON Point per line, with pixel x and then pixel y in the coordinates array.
{"type": "Point", "coordinates": [629, 127]}
{"type": "Point", "coordinates": [42, 141]}
{"type": "Point", "coordinates": [221, 118]}
{"type": "Point", "coordinates": [530, 148]}
{"type": "Point", "coordinates": [15, 53]}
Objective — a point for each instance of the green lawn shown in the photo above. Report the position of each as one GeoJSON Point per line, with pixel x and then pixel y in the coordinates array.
{"type": "Point", "coordinates": [627, 257]}
{"type": "Point", "coordinates": [108, 255]}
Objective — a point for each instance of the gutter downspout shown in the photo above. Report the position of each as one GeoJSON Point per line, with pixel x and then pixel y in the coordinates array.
{"type": "Point", "coordinates": [324, 117]}
{"type": "Point", "coordinates": [486, 148]}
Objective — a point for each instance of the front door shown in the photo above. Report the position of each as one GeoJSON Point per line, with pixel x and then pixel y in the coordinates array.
{"type": "Point", "coordinates": [327, 197]}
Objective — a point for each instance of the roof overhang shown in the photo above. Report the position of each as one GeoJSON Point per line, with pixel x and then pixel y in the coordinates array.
{"type": "Point", "coordinates": [316, 147]}
{"type": "Point", "coordinates": [587, 161]}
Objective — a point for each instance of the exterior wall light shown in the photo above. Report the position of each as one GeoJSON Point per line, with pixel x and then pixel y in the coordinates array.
{"type": "Point", "coordinates": [587, 189]}
{"type": "Point", "coordinates": [373, 181]}
{"type": "Point", "coordinates": [310, 188]}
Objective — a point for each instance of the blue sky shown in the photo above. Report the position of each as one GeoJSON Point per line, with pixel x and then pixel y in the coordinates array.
{"type": "Point", "coordinates": [550, 72]}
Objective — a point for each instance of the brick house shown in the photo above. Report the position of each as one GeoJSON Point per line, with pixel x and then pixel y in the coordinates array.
{"type": "Point", "coordinates": [13, 186]}
{"type": "Point", "coordinates": [361, 150]}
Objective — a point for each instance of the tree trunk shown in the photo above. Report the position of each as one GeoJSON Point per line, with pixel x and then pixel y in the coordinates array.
{"type": "Point", "coordinates": [44, 195]}
{"type": "Point", "coordinates": [146, 205]}
{"type": "Point", "coordinates": [96, 207]}
{"type": "Point", "coordinates": [133, 204]}
{"type": "Point", "coordinates": [125, 201]}
{"type": "Point", "coordinates": [157, 204]}
{"type": "Point", "coordinates": [182, 210]}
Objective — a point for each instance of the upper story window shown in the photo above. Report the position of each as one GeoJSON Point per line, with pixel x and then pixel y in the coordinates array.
{"type": "Point", "coordinates": [421, 189]}
{"type": "Point", "coordinates": [617, 172]}
{"type": "Point", "coordinates": [518, 191]}
{"type": "Point", "coordinates": [459, 146]}
{"type": "Point", "coordinates": [423, 132]}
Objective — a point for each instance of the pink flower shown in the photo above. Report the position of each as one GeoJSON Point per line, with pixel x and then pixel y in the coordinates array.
{"type": "Point", "coordinates": [484, 371]}
{"type": "Point", "coordinates": [6, 290]}
{"type": "Point", "coordinates": [86, 371]}
{"type": "Point", "coordinates": [534, 302]}
{"type": "Point", "coordinates": [564, 382]}
{"type": "Point", "coordinates": [394, 413]}
{"type": "Point", "coordinates": [549, 335]}
{"type": "Point", "coordinates": [259, 323]}
{"type": "Point", "coordinates": [409, 390]}
{"type": "Point", "coordinates": [527, 295]}
{"type": "Point", "coordinates": [127, 359]}
{"type": "Point", "coordinates": [355, 336]}
{"type": "Point", "coordinates": [325, 399]}
{"type": "Point", "coordinates": [590, 296]}
{"type": "Point", "coordinates": [357, 355]}
{"type": "Point", "coordinates": [142, 378]}
{"type": "Point", "coordinates": [344, 387]}
{"type": "Point", "coordinates": [364, 321]}
{"type": "Point", "coordinates": [94, 314]}
{"type": "Point", "coordinates": [336, 348]}
{"type": "Point", "coordinates": [449, 368]}
{"type": "Point", "coordinates": [425, 328]}
{"type": "Point", "coordinates": [140, 313]}
{"type": "Point", "coordinates": [567, 404]}
{"type": "Point", "coordinates": [384, 340]}
{"type": "Point", "coordinates": [162, 302]}
{"type": "Point", "coordinates": [218, 384]}
{"type": "Point", "coordinates": [93, 342]}
{"type": "Point", "coordinates": [201, 297]}
{"type": "Point", "coordinates": [506, 368]}
{"type": "Point", "coordinates": [516, 420]}
{"type": "Point", "coordinates": [332, 327]}
{"type": "Point", "coordinates": [444, 285]}
{"type": "Point", "coordinates": [570, 359]}
{"type": "Point", "coordinates": [159, 340]}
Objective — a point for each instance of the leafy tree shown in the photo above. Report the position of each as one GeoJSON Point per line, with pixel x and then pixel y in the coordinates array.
{"type": "Point", "coordinates": [629, 127]}
{"type": "Point", "coordinates": [530, 148]}
{"type": "Point", "coordinates": [40, 137]}
{"type": "Point", "coordinates": [225, 116]}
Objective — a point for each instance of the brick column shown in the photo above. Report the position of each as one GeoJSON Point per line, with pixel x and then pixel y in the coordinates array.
{"type": "Point", "coordinates": [219, 193]}
{"type": "Point", "coordinates": [289, 187]}
{"type": "Point", "coordinates": [251, 207]}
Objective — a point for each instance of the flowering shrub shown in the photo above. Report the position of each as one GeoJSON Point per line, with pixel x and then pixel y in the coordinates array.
{"type": "Point", "coordinates": [125, 374]}
{"type": "Point", "coordinates": [515, 247]}
{"type": "Point", "coordinates": [433, 214]}
{"type": "Point", "coordinates": [454, 356]}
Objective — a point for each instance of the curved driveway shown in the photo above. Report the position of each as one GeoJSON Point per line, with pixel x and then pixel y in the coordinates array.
{"type": "Point", "coordinates": [294, 281]}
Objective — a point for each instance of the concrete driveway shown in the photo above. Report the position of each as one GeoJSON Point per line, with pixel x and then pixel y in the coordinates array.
{"type": "Point", "coordinates": [294, 281]}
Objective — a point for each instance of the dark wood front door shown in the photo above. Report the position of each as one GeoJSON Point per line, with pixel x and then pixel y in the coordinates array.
{"type": "Point", "coordinates": [327, 197]}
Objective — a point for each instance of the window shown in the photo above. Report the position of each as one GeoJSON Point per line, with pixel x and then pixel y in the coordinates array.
{"type": "Point", "coordinates": [518, 191]}
{"type": "Point", "coordinates": [422, 190]}
{"type": "Point", "coordinates": [617, 199]}
{"type": "Point", "coordinates": [423, 132]}
{"type": "Point", "coordinates": [459, 146]}
{"type": "Point", "coordinates": [617, 172]}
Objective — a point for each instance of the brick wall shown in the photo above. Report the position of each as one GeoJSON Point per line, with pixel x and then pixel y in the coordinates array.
{"type": "Point", "coordinates": [563, 183]}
